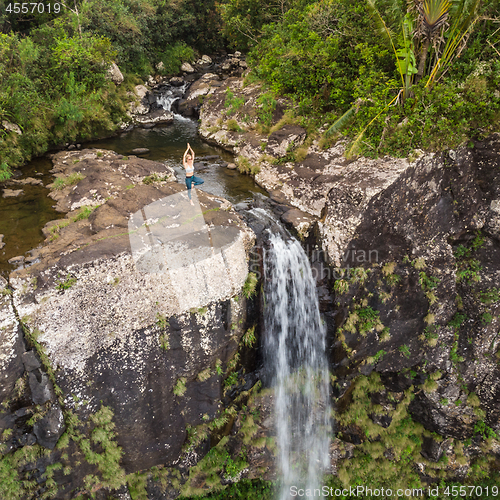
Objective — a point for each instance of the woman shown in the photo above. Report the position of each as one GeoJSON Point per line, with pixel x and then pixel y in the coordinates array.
{"type": "Point", "coordinates": [188, 162]}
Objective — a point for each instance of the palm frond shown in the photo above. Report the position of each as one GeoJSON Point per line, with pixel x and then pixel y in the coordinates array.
{"type": "Point", "coordinates": [434, 14]}
{"type": "Point", "coordinates": [341, 122]}
{"type": "Point", "coordinates": [352, 151]}
{"type": "Point", "coordinates": [384, 29]}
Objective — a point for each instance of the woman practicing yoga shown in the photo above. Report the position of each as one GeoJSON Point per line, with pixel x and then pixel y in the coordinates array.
{"type": "Point", "coordinates": [188, 162]}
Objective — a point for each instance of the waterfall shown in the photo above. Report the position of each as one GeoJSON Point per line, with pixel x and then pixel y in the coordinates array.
{"type": "Point", "coordinates": [171, 95]}
{"type": "Point", "coordinates": [295, 356]}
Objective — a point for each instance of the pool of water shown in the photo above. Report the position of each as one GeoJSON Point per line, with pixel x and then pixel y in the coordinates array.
{"type": "Point", "coordinates": [22, 218]}
{"type": "Point", "coordinates": [168, 144]}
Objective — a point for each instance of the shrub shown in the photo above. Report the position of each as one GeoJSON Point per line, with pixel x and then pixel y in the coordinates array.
{"type": "Point", "coordinates": [233, 126]}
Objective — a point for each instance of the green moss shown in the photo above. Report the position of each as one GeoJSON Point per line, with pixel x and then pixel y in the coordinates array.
{"type": "Point", "coordinates": [70, 180]}
{"type": "Point", "coordinates": [402, 438]}
{"type": "Point", "coordinates": [180, 387]}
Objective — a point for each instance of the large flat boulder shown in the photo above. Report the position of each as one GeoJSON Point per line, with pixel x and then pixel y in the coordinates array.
{"type": "Point", "coordinates": [132, 302]}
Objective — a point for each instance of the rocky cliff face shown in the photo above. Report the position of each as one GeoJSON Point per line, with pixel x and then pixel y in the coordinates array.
{"type": "Point", "coordinates": [412, 250]}
{"type": "Point", "coordinates": [125, 323]}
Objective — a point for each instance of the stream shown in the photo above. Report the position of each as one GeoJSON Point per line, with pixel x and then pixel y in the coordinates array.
{"type": "Point", "coordinates": [23, 217]}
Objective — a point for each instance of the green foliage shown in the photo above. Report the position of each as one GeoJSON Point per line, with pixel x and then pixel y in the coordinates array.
{"type": "Point", "coordinates": [484, 430]}
{"type": "Point", "coordinates": [468, 267]}
{"type": "Point", "coordinates": [137, 484]}
{"type": "Point", "coordinates": [180, 387]}
{"type": "Point", "coordinates": [341, 286]}
{"type": "Point", "coordinates": [245, 167]}
{"type": "Point", "coordinates": [232, 104]}
{"type": "Point", "coordinates": [173, 57]}
{"type": "Point", "coordinates": [84, 213]}
{"type": "Point", "coordinates": [232, 125]}
{"type": "Point", "coordinates": [490, 296]}
{"type": "Point", "coordinates": [486, 318]}
{"type": "Point", "coordinates": [5, 172]}
{"type": "Point", "coordinates": [405, 351]}
{"type": "Point", "coordinates": [250, 286]}
{"type": "Point", "coordinates": [161, 321]}
{"type": "Point", "coordinates": [403, 437]}
{"type": "Point", "coordinates": [266, 105]}
{"type": "Point", "coordinates": [249, 338]}
{"type": "Point", "coordinates": [10, 486]}
{"type": "Point", "coordinates": [457, 320]}
{"type": "Point", "coordinates": [67, 283]}
{"type": "Point", "coordinates": [330, 58]}
{"type": "Point", "coordinates": [427, 282]}
{"type": "Point", "coordinates": [70, 180]}
{"type": "Point", "coordinates": [363, 320]}
{"type": "Point", "coordinates": [151, 179]}
{"type": "Point", "coordinates": [255, 489]}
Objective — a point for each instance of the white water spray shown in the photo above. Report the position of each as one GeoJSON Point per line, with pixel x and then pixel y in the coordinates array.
{"type": "Point", "coordinates": [170, 96]}
{"type": "Point", "coordinates": [295, 353]}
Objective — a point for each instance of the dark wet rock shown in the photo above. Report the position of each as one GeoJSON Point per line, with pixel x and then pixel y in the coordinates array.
{"type": "Point", "coordinates": [122, 333]}
{"type": "Point", "coordinates": [41, 387]}
{"type": "Point", "coordinates": [432, 449]}
{"type": "Point", "coordinates": [209, 157]}
{"type": "Point", "coordinates": [22, 412]}
{"type": "Point", "coordinates": [27, 180]}
{"type": "Point", "coordinates": [382, 420]}
{"type": "Point", "coordinates": [176, 81]}
{"type": "Point", "coordinates": [27, 440]}
{"type": "Point", "coordinates": [281, 141]}
{"type": "Point", "coordinates": [49, 429]}
{"type": "Point", "coordinates": [105, 174]}
{"type": "Point", "coordinates": [30, 361]}
{"type": "Point", "coordinates": [189, 105]}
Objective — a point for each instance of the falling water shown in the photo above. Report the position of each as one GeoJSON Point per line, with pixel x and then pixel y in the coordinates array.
{"type": "Point", "coordinates": [171, 95]}
{"type": "Point", "coordinates": [295, 354]}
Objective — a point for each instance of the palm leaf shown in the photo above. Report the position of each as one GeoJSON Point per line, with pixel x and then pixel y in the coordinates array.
{"type": "Point", "coordinates": [464, 22]}
{"type": "Point", "coordinates": [434, 13]}
{"type": "Point", "coordinates": [352, 151]}
{"type": "Point", "coordinates": [383, 28]}
{"type": "Point", "coordinates": [341, 122]}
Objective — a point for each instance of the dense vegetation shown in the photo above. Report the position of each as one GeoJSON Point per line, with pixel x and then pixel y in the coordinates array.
{"type": "Point", "coordinates": [392, 76]}
{"type": "Point", "coordinates": [53, 67]}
